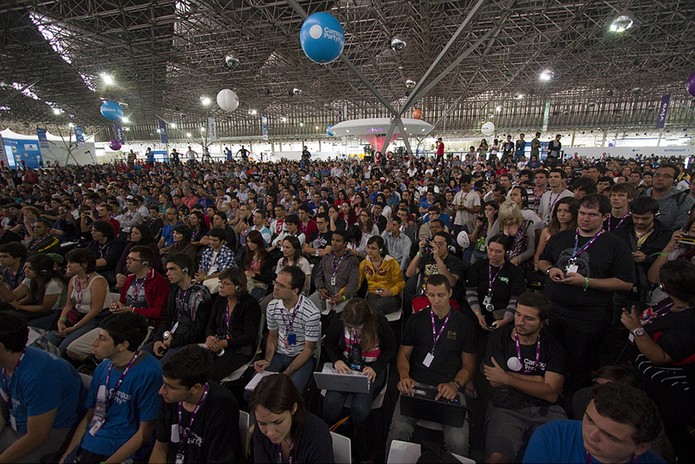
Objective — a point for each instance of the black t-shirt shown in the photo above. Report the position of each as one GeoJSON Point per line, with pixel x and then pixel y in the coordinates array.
{"type": "Point", "coordinates": [214, 437]}
{"type": "Point", "coordinates": [607, 257]}
{"type": "Point", "coordinates": [508, 282]}
{"type": "Point", "coordinates": [314, 445]}
{"type": "Point", "coordinates": [428, 267]}
{"type": "Point", "coordinates": [502, 347]}
{"type": "Point", "coordinates": [457, 337]}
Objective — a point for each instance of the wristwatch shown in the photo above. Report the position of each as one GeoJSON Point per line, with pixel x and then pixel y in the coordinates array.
{"type": "Point", "coordinates": [458, 384]}
{"type": "Point", "coordinates": [166, 335]}
{"type": "Point", "coordinates": [547, 271]}
{"type": "Point", "coordinates": [638, 332]}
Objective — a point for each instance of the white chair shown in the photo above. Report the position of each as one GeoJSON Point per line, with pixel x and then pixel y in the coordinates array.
{"type": "Point", "coordinates": [396, 316]}
{"type": "Point", "coordinates": [402, 452]}
{"type": "Point", "coordinates": [244, 424]}
{"type": "Point", "coordinates": [342, 449]}
{"type": "Point", "coordinates": [86, 380]}
{"type": "Point", "coordinates": [236, 375]}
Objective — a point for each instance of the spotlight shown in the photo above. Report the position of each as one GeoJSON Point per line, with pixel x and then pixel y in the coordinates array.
{"type": "Point", "coordinates": [409, 83]}
{"type": "Point", "coordinates": [231, 61]}
{"type": "Point", "coordinates": [398, 43]}
{"type": "Point", "coordinates": [622, 22]}
{"type": "Point", "coordinates": [546, 75]}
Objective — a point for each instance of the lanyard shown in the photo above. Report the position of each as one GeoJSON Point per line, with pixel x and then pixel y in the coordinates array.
{"type": "Point", "coordinates": [610, 216]}
{"type": "Point", "coordinates": [185, 431]}
{"type": "Point", "coordinates": [642, 238]}
{"type": "Point", "coordinates": [111, 395]}
{"type": "Point", "coordinates": [80, 290]}
{"type": "Point", "coordinates": [436, 335]}
{"type": "Point", "coordinates": [228, 321]}
{"type": "Point", "coordinates": [649, 315]}
{"type": "Point", "coordinates": [551, 203]}
{"type": "Point", "coordinates": [6, 385]}
{"type": "Point", "coordinates": [336, 266]}
{"type": "Point", "coordinates": [138, 284]}
{"type": "Point", "coordinates": [491, 280]}
{"type": "Point", "coordinates": [586, 246]}
{"type": "Point", "coordinates": [518, 352]}
{"type": "Point", "coordinates": [181, 297]}
{"type": "Point", "coordinates": [290, 460]}
{"type": "Point", "coordinates": [289, 325]}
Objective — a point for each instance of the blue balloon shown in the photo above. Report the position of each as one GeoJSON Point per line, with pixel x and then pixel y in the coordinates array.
{"type": "Point", "coordinates": [111, 110]}
{"type": "Point", "coordinates": [329, 131]}
{"type": "Point", "coordinates": [322, 38]}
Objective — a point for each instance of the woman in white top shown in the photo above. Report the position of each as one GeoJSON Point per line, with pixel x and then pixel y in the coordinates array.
{"type": "Point", "coordinates": [88, 301]}
{"type": "Point", "coordinates": [292, 256]}
{"type": "Point", "coordinates": [40, 294]}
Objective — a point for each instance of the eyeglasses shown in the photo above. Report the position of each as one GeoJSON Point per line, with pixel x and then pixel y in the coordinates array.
{"type": "Point", "coordinates": [659, 175]}
{"type": "Point", "coordinates": [137, 260]}
{"type": "Point", "coordinates": [279, 285]}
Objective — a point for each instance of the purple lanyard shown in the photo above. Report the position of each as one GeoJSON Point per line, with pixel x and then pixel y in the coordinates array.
{"type": "Point", "coordinates": [80, 290]}
{"type": "Point", "coordinates": [7, 385]}
{"type": "Point", "coordinates": [551, 203]}
{"type": "Point", "coordinates": [436, 335]}
{"type": "Point", "coordinates": [290, 460]}
{"type": "Point", "coordinates": [227, 321]}
{"type": "Point", "coordinates": [111, 395]}
{"type": "Point", "coordinates": [610, 216]}
{"type": "Point", "coordinates": [518, 352]}
{"type": "Point", "coordinates": [336, 266]}
{"type": "Point", "coordinates": [586, 246]}
{"type": "Point", "coordinates": [185, 431]}
{"type": "Point", "coordinates": [137, 287]}
{"type": "Point", "coordinates": [289, 325]}
{"type": "Point", "coordinates": [491, 280]}
{"type": "Point", "coordinates": [354, 339]}
{"type": "Point", "coordinates": [587, 458]}
{"type": "Point", "coordinates": [181, 297]}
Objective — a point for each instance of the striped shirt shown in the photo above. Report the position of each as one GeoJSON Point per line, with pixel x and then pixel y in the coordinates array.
{"type": "Point", "coordinates": [368, 356]}
{"type": "Point", "coordinates": [306, 325]}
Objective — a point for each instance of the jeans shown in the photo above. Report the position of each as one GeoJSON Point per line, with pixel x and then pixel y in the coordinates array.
{"type": "Point", "coordinates": [62, 343]}
{"type": "Point", "coordinates": [360, 408]}
{"type": "Point", "coordinates": [300, 377]}
{"type": "Point", "coordinates": [167, 354]}
{"type": "Point", "coordinates": [402, 427]}
{"type": "Point", "coordinates": [384, 304]}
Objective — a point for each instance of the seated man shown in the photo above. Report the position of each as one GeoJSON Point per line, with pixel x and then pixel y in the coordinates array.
{"type": "Point", "coordinates": [294, 329]}
{"type": "Point", "coordinates": [187, 313]}
{"type": "Point", "coordinates": [618, 426]}
{"type": "Point", "coordinates": [526, 370]}
{"type": "Point", "coordinates": [216, 258]}
{"type": "Point", "coordinates": [338, 277]}
{"type": "Point", "coordinates": [122, 406]}
{"type": "Point", "coordinates": [43, 241]}
{"type": "Point", "coordinates": [437, 349]}
{"type": "Point", "coordinates": [199, 421]}
{"type": "Point", "coordinates": [397, 243]}
{"type": "Point", "coordinates": [145, 292]}
{"type": "Point", "coordinates": [291, 229]}
{"type": "Point", "coordinates": [40, 392]}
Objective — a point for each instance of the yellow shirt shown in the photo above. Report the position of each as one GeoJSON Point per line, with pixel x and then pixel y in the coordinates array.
{"type": "Point", "coordinates": [388, 276]}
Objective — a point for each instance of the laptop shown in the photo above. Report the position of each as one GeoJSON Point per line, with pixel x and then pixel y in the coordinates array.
{"type": "Point", "coordinates": [329, 379]}
{"type": "Point", "coordinates": [423, 406]}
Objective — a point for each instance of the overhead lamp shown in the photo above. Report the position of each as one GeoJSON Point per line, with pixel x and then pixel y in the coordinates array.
{"type": "Point", "coordinates": [159, 131]}
{"type": "Point", "coordinates": [316, 127]}
{"type": "Point", "coordinates": [283, 119]}
{"type": "Point", "coordinates": [546, 75]}
{"type": "Point", "coordinates": [205, 101]}
{"type": "Point", "coordinates": [621, 23]}
{"type": "Point", "coordinates": [231, 61]}
{"type": "Point", "coordinates": [127, 129]}
{"type": "Point", "coordinates": [202, 129]}
{"type": "Point", "coordinates": [498, 108]}
{"type": "Point", "coordinates": [188, 135]}
{"type": "Point", "coordinates": [301, 124]}
{"type": "Point", "coordinates": [253, 112]}
{"type": "Point", "coordinates": [172, 125]}
{"type": "Point", "coordinates": [518, 96]}
{"type": "Point", "coordinates": [409, 83]}
{"type": "Point", "coordinates": [398, 43]}
{"type": "Point", "coordinates": [125, 120]}
{"type": "Point", "coordinates": [57, 111]}
{"type": "Point", "coordinates": [71, 124]}
{"type": "Point", "coordinates": [295, 92]}
{"type": "Point", "coordinates": [107, 78]}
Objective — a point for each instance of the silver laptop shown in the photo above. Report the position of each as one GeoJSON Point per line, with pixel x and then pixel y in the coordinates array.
{"type": "Point", "coordinates": [329, 379]}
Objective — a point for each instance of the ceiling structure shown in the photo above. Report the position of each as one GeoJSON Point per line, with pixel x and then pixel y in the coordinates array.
{"type": "Point", "coordinates": [470, 59]}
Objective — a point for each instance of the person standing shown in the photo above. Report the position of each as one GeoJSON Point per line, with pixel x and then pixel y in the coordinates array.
{"type": "Point", "coordinates": [674, 205]}
{"type": "Point", "coordinates": [549, 198]}
{"type": "Point", "coordinates": [440, 151]}
{"type": "Point", "coordinates": [519, 148]}
{"type": "Point", "coordinates": [536, 145]}
{"type": "Point", "coordinates": [555, 147]}
{"type": "Point", "coordinates": [467, 203]}
{"type": "Point", "coordinates": [585, 267]}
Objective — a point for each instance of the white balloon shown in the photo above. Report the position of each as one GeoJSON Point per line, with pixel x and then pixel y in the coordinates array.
{"type": "Point", "coordinates": [463, 240]}
{"type": "Point", "coordinates": [228, 100]}
{"type": "Point", "coordinates": [488, 128]}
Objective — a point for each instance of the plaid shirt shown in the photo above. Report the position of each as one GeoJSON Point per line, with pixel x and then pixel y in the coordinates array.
{"type": "Point", "coordinates": [225, 258]}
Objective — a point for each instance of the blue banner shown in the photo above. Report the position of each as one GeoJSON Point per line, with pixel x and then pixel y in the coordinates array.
{"type": "Point", "coordinates": [25, 152]}
{"type": "Point", "coordinates": [663, 111]}
{"type": "Point", "coordinates": [41, 134]}
{"type": "Point", "coordinates": [79, 136]}
{"type": "Point", "coordinates": [118, 132]}
{"type": "Point", "coordinates": [264, 126]}
{"type": "Point", "coordinates": [163, 136]}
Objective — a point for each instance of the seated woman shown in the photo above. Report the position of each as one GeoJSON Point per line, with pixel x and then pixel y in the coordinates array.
{"type": "Point", "coordinates": [107, 250]}
{"type": "Point", "coordinates": [361, 340]}
{"type": "Point", "coordinates": [384, 277]}
{"type": "Point", "coordinates": [88, 299]}
{"type": "Point", "coordinates": [257, 265]}
{"type": "Point", "coordinates": [483, 227]}
{"type": "Point", "coordinates": [139, 235]}
{"type": "Point", "coordinates": [182, 243]}
{"type": "Point", "coordinates": [232, 329]}
{"type": "Point", "coordinates": [286, 432]}
{"type": "Point", "coordinates": [292, 256]}
{"type": "Point", "coordinates": [40, 295]}
{"type": "Point", "coordinates": [666, 353]}
{"type": "Point", "coordinates": [196, 220]}
{"type": "Point", "coordinates": [520, 234]}
{"type": "Point", "coordinates": [493, 285]}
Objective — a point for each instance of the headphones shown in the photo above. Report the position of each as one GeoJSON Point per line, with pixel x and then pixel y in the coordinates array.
{"type": "Point", "coordinates": [184, 270]}
{"type": "Point", "coordinates": [237, 288]}
{"type": "Point", "coordinates": [145, 263]}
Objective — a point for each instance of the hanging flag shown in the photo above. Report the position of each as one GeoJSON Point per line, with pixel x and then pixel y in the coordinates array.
{"type": "Point", "coordinates": [212, 129]}
{"type": "Point", "coordinates": [163, 136]}
{"type": "Point", "coordinates": [264, 126]}
{"type": "Point", "coordinates": [118, 132]}
{"type": "Point", "coordinates": [79, 136]}
{"type": "Point", "coordinates": [41, 134]}
{"type": "Point", "coordinates": [663, 111]}
{"type": "Point", "coordinates": [546, 115]}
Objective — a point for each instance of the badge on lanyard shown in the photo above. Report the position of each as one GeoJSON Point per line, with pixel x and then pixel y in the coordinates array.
{"type": "Point", "coordinates": [175, 436]}
{"type": "Point", "coordinates": [487, 303]}
{"type": "Point", "coordinates": [572, 267]}
{"type": "Point", "coordinates": [429, 357]}
{"type": "Point", "coordinates": [179, 458]}
{"type": "Point", "coordinates": [292, 339]}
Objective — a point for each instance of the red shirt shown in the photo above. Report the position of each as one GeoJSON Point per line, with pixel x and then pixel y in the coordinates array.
{"type": "Point", "coordinates": [440, 148]}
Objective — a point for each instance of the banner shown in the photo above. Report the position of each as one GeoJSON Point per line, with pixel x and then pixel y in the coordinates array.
{"type": "Point", "coordinates": [264, 126]}
{"type": "Point", "coordinates": [41, 134]}
{"type": "Point", "coordinates": [163, 136]}
{"type": "Point", "coordinates": [663, 111]}
{"type": "Point", "coordinates": [118, 131]}
{"type": "Point", "coordinates": [79, 136]}
{"type": "Point", "coordinates": [546, 115]}
{"type": "Point", "coordinates": [25, 152]}
{"type": "Point", "coordinates": [212, 129]}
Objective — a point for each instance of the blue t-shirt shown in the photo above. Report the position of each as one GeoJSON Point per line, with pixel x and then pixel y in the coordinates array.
{"type": "Point", "coordinates": [41, 383]}
{"type": "Point", "coordinates": [137, 400]}
{"type": "Point", "coordinates": [561, 442]}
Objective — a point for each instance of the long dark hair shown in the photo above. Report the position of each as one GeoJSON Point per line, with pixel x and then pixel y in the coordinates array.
{"type": "Point", "coordinates": [277, 394]}
{"type": "Point", "coordinates": [44, 269]}
{"type": "Point", "coordinates": [572, 203]}
{"type": "Point", "coordinates": [358, 312]}
{"type": "Point", "coordinates": [145, 234]}
{"type": "Point", "coordinates": [294, 241]}
{"type": "Point", "coordinates": [255, 237]}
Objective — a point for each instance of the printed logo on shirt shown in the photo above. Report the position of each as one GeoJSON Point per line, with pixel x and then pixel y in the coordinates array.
{"type": "Point", "coordinates": [505, 280]}
{"type": "Point", "coordinates": [193, 438]}
{"type": "Point", "coordinates": [451, 335]}
{"type": "Point", "coordinates": [121, 397]}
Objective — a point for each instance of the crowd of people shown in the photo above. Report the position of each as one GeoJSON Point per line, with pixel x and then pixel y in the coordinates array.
{"type": "Point", "coordinates": [508, 285]}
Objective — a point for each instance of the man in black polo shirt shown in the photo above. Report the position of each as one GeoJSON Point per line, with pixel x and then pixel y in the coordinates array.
{"type": "Point", "coordinates": [585, 267]}
{"type": "Point", "coordinates": [437, 349]}
{"type": "Point", "coordinates": [199, 421]}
